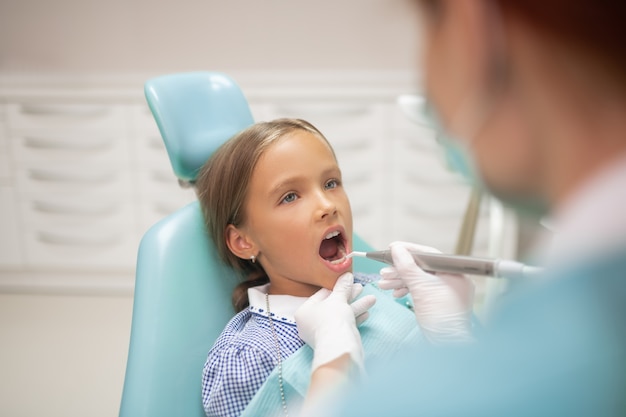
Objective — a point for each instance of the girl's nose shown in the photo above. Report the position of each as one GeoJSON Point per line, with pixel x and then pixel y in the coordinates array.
{"type": "Point", "coordinates": [327, 206]}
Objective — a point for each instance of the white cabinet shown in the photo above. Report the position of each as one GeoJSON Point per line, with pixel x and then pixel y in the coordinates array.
{"type": "Point", "coordinates": [89, 179]}
{"type": "Point", "coordinates": [84, 173]}
{"type": "Point", "coordinates": [73, 182]}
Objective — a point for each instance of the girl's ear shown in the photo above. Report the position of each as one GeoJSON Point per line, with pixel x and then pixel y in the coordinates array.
{"type": "Point", "coordinates": [239, 243]}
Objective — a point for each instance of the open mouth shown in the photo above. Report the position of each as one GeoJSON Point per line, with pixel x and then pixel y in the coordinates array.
{"type": "Point", "coordinates": [333, 247]}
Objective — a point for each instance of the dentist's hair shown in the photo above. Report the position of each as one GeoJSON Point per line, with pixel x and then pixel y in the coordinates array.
{"type": "Point", "coordinates": [222, 188]}
{"type": "Point", "coordinates": [593, 31]}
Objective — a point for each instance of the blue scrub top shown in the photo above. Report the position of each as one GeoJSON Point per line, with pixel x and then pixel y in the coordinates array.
{"type": "Point", "coordinates": [556, 347]}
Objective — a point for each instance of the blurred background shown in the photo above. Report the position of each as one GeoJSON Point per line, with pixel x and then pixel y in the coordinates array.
{"type": "Point", "coordinates": [83, 172]}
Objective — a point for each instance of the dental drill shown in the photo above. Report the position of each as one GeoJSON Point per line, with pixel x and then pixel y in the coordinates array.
{"type": "Point", "coordinates": [456, 264]}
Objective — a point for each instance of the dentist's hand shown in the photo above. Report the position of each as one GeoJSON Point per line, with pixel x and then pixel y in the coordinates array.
{"type": "Point", "coordinates": [328, 320]}
{"type": "Point", "coordinates": [442, 302]}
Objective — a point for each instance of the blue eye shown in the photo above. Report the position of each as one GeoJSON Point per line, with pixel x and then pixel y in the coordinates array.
{"type": "Point", "coordinates": [289, 198]}
{"type": "Point", "coordinates": [330, 184]}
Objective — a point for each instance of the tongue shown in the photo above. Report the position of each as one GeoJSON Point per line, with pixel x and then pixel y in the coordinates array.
{"type": "Point", "coordinates": [328, 248]}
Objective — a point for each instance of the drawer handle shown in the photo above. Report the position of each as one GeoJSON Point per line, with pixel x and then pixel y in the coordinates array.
{"type": "Point", "coordinates": [66, 240]}
{"type": "Point", "coordinates": [68, 144]}
{"type": "Point", "coordinates": [84, 210]}
{"type": "Point", "coordinates": [63, 110]}
{"type": "Point", "coordinates": [72, 177]}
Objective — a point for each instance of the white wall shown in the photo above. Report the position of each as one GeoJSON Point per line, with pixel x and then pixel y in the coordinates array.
{"type": "Point", "coordinates": [65, 355]}
{"type": "Point", "coordinates": [149, 35]}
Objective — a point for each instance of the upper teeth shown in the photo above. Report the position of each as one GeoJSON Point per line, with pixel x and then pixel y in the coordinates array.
{"type": "Point", "coordinates": [332, 235]}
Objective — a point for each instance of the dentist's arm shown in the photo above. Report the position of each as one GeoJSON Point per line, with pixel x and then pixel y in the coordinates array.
{"type": "Point", "coordinates": [442, 302]}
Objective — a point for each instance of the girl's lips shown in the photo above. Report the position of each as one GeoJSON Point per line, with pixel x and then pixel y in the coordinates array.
{"type": "Point", "coordinates": [340, 265]}
{"type": "Point", "coordinates": [338, 262]}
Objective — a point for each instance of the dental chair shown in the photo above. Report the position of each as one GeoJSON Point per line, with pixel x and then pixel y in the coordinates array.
{"type": "Point", "coordinates": [182, 290]}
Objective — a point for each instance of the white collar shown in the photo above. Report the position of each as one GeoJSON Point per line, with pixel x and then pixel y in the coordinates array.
{"type": "Point", "coordinates": [593, 220]}
{"type": "Point", "coordinates": [282, 307]}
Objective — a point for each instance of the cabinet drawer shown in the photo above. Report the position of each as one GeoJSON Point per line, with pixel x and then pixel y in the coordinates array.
{"type": "Point", "coordinates": [70, 146]}
{"type": "Point", "coordinates": [79, 230]}
{"type": "Point", "coordinates": [79, 177]}
{"type": "Point", "coordinates": [61, 115]}
{"type": "Point", "coordinates": [76, 210]}
{"type": "Point", "coordinates": [97, 247]}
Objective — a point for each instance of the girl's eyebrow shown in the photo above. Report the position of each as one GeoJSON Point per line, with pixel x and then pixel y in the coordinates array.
{"type": "Point", "coordinates": [290, 182]}
{"type": "Point", "coordinates": [286, 184]}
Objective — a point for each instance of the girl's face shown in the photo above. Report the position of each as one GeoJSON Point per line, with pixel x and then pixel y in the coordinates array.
{"type": "Point", "coordinates": [298, 216]}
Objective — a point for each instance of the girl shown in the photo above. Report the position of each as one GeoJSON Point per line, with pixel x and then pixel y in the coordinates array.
{"type": "Point", "coordinates": [276, 209]}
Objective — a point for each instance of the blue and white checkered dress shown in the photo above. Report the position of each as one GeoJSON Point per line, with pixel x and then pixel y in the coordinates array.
{"type": "Point", "coordinates": [244, 355]}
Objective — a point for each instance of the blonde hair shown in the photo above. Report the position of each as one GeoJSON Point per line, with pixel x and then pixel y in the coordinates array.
{"type": "Point", "coordinates": [222, 187]}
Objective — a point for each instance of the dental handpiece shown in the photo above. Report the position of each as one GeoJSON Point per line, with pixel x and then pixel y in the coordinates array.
{"type": "Point", "coordinates": [457, 264]}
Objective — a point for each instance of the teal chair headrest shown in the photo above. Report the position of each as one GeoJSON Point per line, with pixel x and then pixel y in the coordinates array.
{"type": "Point", "coordinates": [196, 112]}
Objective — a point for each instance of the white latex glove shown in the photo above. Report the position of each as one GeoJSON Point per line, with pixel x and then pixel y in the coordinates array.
{"type": "Point", "coordinates": [442, 302]}
{"type": "Point", "coordinates": [327, 322]}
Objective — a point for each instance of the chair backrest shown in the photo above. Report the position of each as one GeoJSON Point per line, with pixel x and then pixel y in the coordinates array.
{"type": "Point", "coordinates": [182, 290]}
{"type": "Point", "coordinates": [196, 112]}
{"type": "Point", "coordinates": [182, 301]}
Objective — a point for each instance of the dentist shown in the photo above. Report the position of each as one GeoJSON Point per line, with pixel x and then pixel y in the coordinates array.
{"type": "Point", "coordinates": [535, 92]}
